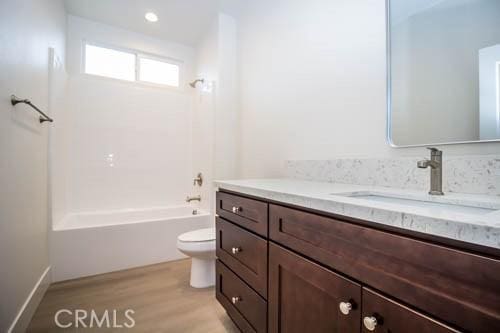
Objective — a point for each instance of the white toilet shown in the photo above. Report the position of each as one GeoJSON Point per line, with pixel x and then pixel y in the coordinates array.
{"type": "Point", "coordinates": [200, 246]}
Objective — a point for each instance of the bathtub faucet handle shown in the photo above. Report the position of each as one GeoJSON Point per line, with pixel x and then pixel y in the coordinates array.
{"type": "Point", "coordinates": [198, 180]}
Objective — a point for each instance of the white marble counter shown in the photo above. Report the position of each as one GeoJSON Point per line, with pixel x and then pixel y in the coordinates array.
{"type": "Point", "coordinates": [482, 229]}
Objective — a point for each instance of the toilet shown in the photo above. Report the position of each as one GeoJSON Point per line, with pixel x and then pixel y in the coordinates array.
{"type": "Point", "coordinates": [200, 246]}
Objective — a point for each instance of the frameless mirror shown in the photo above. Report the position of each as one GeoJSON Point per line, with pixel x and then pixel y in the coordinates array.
{"type": "Point", "coordinates": [444, 71]}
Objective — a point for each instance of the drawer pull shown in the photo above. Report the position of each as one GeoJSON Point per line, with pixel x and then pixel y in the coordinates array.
{"type": "Point", "coordinates": [235, 299]}
{"type": "Point", "coordinates": [345, 307]}
{"type": "Point", "coordinates": [236, 210]}
{"type": "Point", "coordinates": [236, 250]}
{"type": "Point", "coordinates": [370, 323]}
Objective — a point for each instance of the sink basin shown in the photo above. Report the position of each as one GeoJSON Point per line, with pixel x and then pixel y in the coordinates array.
{"type": "Point", "coordinates": [434, 203]}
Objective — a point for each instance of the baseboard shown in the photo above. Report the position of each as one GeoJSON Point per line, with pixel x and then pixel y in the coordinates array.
{"type": "Point", "coordinates": [23, 318]}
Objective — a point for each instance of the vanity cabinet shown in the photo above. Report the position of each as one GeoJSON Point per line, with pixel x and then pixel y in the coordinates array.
{"type": "Point", "coordinates": [320, 272]}
{"type": "Point", "coordinates": [456, 286]}
{"type": "Point", "coordinates": [242, 251]}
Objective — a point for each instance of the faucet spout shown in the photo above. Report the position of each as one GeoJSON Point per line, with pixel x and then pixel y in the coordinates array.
{"type": "Point", "coordinates": [424, 164]}
{"type": "Point", "coordinates": [194, 198]}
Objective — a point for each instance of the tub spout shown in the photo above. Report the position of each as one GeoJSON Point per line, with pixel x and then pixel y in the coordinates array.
{"type": "Point", "coordinates": [195, 198]}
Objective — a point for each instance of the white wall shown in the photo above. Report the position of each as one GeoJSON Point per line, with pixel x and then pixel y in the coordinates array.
{"type": "Point", "coordinates": [215, 120]}
{"type": "Point", "coordinates": [130, 143]}
{"type": "Point", "coordinates": [204, 104]}
{"type": "Point", "coordinates": [227, 116]}
{"type": "Point", "coordinates": [313, 84]}
{"type": "Point", "coordinates": [27, 29]}
{"type": "Point", "coordinates": [59, 145]}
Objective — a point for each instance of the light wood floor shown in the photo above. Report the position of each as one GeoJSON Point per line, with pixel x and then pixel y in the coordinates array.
{"type": "Point", "coordinates": [160, 296]}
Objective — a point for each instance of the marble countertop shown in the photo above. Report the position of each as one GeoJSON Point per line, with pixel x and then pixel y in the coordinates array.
{"type": "Point", "coordinates": [482, 229]}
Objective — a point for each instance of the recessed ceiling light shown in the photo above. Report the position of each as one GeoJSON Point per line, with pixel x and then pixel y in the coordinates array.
{"type": "Point", "coordinates": [151, 17]}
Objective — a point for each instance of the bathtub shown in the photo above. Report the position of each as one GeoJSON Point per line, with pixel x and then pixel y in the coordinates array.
{"type": "Point", "coordinates": [92, 243]}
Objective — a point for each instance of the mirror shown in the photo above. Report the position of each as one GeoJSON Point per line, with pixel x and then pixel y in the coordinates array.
{"type": "Point", "coordinates": [444, 71]}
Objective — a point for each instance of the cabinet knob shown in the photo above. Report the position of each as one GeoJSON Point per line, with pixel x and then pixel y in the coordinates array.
{"type": "Point", "coordinates": [236, 209]}
{"type": "Point", "coordinates": [370, 323]}
{"type": "Point", "coordinates": [345, 307]}
{"type": "Point", "coordinates": [236, 250]}
{"type": "Point", "coordinates": [235, 299]}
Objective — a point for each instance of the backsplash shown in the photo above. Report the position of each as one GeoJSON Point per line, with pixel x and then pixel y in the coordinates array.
{"type": "Point", "coordinates": [461, 174]}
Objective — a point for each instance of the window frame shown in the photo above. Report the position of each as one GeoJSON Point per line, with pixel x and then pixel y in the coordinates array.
{"type": "Point", "coordinates": [137, 56]}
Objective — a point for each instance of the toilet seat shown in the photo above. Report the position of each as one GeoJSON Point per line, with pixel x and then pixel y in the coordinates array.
{"type": "Point", "coordinates": [198, 243]}
{"type": "Point", "coordinates": [198, 236]}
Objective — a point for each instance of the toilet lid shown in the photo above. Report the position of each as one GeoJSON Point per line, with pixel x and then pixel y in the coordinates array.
{"type": "Point", "coordinates": [200, 235]}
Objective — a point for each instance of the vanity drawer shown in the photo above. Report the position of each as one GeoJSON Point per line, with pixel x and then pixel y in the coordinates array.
{"type": "Point", "coordinates": [460, 288]}
{"type": "Point", "coordinates": [248, 213]}
{"type": "Point", "coordinates": [247, 309]}
{"type": "Point", "coordinates": [381, 314]}
{"type": "Point", "coordinates": [243, 252]}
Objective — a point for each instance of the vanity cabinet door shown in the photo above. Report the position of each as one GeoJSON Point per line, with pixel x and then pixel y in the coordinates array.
{"type": "Point", "coordinates": [305, 297]}
{"type": "Point", "coordinates": [381, 314]}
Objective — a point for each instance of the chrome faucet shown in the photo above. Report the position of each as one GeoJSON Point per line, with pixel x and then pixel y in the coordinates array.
{"type": "Point", "coordinates": [195, 198]}
{"type": "Point", "coordinates": [436, 165]}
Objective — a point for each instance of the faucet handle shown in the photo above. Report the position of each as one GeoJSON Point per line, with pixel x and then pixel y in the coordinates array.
{"type": "Point", "coordinates": [435, 151]}
{"type": "Point", "coordinates": [198, 180]}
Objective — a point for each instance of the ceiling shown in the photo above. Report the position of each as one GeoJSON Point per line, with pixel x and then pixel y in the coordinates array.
{"type": "Point", "coordinates": [182, 21]}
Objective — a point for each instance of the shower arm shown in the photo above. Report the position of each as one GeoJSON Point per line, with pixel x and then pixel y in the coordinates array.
{"type": "Point", "coordinates": [193, 84]}
{"type": "Point", "coordinates": [16, 100]}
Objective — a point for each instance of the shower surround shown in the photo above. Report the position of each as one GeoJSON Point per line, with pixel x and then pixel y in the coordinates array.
{"type": "Point", "coordinates": [129, 143]}
{"type": "Point", "coordinates": [124, 154]}
{"type": "Point", "coordinates": [123, 162]}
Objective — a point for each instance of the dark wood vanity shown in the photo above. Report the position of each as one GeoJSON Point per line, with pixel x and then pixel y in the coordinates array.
{"type": "Point", "coordinates": [282, 268]}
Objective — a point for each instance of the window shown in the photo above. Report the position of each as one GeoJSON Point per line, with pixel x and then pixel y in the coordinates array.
{"type": "Point", "coordinates": [130, 66]}
{"type": "Point", "coordinates": [109, 63]}
{"type": "Point", "coordinates": [160, 72]}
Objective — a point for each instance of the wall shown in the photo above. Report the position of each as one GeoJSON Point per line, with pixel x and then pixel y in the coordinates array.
{"type": "Point", "coordinates": [204, 103]}
{"type": "Point", "coordinates": [435, 71]}
{"type": "Point", "coordinates": [227, 118]}
{"type": "Point", "coordinates": [130, 143]}
{"type": "Point", "coordinates": [215, 120]}
{"type": "Point", "coordinates": [59, 145]}
{"type": "Point", "coordinates": [313, 84]}
{"type": "Point", "coordinates": [27, 29]}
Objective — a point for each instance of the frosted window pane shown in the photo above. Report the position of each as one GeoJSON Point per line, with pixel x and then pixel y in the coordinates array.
{"type": "Point", "coordinates": [110, 63]}
{"type": "Point", "coordinates": [160, 72]}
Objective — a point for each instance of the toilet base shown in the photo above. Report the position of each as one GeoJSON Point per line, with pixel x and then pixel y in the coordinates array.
{"type": "Point", "coordinates": [202, 273]}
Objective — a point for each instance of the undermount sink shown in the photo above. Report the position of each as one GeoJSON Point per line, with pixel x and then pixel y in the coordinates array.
{"type": "Point", "coordinates": [440, 203]}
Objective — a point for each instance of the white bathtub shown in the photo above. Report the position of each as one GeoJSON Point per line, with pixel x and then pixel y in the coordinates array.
{"type": "Point", "coordinates": [92, 243]}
